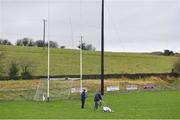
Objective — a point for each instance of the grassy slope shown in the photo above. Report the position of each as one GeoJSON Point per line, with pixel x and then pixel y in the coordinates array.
{"type": "Point", "coordinates": [64, 61]}
{"type": "Point", "coordinates": [26, 89]}
{"type": "Point", "coordinates": [135, 105]}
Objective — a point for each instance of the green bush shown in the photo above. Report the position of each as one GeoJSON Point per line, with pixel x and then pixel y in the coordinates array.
{"type": "Point", "coordinates": [26, 67]}
{"type": "Point", "coordinates": [1, 56]}
{"type": "Point", "coordinates": [13, 70]}
{"type": "Point", "coordinates": [26, 74]}
{"type": "Point", "coordinates": [176, 66]}
{"type": "Point", "coordinates": [3, 65]}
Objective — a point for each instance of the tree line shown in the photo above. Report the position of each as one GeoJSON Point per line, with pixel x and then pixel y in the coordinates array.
{"type": "Point", "coordinates": [5, 42]}
{"type": "Point", "coordinates": [40, 43]}
{"type": "Point", "coordinates": [29, 42]}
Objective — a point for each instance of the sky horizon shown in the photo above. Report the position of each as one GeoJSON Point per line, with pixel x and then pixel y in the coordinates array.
{"type": "Point", "coordinates": [130, 25]}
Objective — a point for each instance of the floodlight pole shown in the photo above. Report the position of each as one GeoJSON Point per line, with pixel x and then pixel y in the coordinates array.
{"type": "Point", "coordinates": [102, 49]}
{"type": "Point", "coordinates": [81, 64]}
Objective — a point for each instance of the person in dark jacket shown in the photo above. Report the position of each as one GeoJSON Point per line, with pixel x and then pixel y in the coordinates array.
{"type": "Point", "coordinates": [83, 98]}
{"type": "Point", "coordinates": [97, 100]}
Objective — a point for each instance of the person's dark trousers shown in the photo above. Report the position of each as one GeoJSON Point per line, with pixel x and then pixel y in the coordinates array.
{"type": "Point", "coordinates": [83, 102]}
{"type": "Point", "coordinates": [96, 105]}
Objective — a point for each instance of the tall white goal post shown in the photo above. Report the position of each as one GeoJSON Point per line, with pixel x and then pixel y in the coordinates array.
{"type": "Point", "coordinates": [48, 75]}
{"type": "Point", "coordinates": [81, 68]}
{"type": "Point", "coordinates": [60, 88]}
{"type": "Point", "coordinates": [81, 64]}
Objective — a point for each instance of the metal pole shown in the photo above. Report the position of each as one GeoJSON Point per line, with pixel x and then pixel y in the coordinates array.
{"type": "Point", "coordinates": [81, 64]}
{"type": "Point", "coordinates": [102, 49]}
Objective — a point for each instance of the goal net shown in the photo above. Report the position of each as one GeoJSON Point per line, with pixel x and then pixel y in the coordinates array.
{"type": "Point", "coordinates": [60, 88]}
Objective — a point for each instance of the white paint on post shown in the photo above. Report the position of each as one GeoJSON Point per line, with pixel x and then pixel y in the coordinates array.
{"type": "Point", "coordinates": [81, 65]}
{"type": "Point", "coordinates": [48, 69]}
{"type": "Point", "coordinates": [48, 80]}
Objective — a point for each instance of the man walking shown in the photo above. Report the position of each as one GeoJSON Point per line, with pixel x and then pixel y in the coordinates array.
{"type": "Point", "coordinates": [83, 98]}
{"type": "Point", "coordinates": [97, 100]}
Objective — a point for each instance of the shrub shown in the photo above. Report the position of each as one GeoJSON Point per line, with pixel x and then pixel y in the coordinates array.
{"type": "Point", "coordinates": [168, 53]}
{"type": "Point", "coordinates": [63, 47]}
{"type": "Point", "coordinates": [4, 70]}
{"type": "Point", "coordinates": [176, 66]}
{"type": "Point", "coordinates": [26, 68]}
{"type": "Point", "coordinates": [26, 75]}
{"type": "Point", "coordinates": [26, 71]}
{"type": "Point", "coordinates": [13, 70]}
{"type": "Point", "coordinates": [1, 63]}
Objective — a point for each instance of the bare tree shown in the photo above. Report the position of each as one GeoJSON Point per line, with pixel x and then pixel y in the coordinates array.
{"type": "Point", "coordinates": [25, 42]}
{"type": "Point", "coordinates": [27, 68]}
{"type": "Point", "coordinates": [86, 46]}
{"type": "Point", "coordinates": [39, 43]}
{"type": "Point", "coordinates": [53, 44]}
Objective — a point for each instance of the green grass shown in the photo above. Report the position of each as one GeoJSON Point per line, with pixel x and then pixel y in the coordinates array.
{"type": "Point", "coordinates": [156, 104]}
{"type": "Point", "coordinates": [152, 105]}
{"type": "Point", "coordinates": [66, 61]}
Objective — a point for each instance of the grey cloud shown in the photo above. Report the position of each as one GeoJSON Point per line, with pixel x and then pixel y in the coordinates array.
{"type": "Point", "coordinates": [130, 25]}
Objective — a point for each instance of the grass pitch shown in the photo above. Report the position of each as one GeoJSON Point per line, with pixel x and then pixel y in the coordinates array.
{"type": "Point", "coordinates": [152, 105]}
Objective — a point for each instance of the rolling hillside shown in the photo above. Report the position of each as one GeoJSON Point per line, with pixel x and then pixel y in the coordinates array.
{"type": "Point", "coordinates": [66, 61]}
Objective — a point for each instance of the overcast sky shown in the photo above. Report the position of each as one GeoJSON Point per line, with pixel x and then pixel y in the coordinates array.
{"type": "Point", "coordinates": [130, 25]}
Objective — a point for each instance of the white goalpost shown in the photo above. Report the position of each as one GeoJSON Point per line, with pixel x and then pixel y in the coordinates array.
{"type": "Point", "coordinates": [48, 75]}
{"type": "Point", "coordinates": [81, 67]}
{"type": "Point", "coordinates": [52, 88]}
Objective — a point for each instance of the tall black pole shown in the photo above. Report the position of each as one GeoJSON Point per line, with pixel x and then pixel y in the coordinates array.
{"type": "Point", "coordinates": [102, 50]}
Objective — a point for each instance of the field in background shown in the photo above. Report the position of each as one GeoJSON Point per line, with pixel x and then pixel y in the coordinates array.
{"type": "Point", "coordinates": [66, 61]}
{"type": "Point", "coordinates": [141, 105]}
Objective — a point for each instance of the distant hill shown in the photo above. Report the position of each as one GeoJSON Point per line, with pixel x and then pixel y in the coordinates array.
{"type": "Point", "coordinates": [66, 61]}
